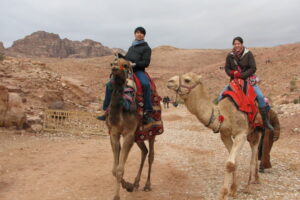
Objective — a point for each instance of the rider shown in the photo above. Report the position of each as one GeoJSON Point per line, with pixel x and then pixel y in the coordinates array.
{"type": "Point", "coordinates": [240, 63]}
{"type": "Point", "coordinates": [139, 55]}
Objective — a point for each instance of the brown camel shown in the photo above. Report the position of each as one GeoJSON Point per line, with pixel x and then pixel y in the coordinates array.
{"type": "Point", "coordinates": [235, 129]}
{"type": "Point", "coordinates": [124, 123]}
{"type": "Point", "coordinates": [267, 140]}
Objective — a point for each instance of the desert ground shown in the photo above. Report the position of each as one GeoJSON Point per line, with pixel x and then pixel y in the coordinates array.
{"type": "Point", "coordinates": [189, 165]}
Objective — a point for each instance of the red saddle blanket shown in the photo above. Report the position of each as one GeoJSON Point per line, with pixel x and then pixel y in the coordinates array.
{"type": "Point", "coordinates": [147, 131]}
{"type": "Point", "coordinates": [245, 101]}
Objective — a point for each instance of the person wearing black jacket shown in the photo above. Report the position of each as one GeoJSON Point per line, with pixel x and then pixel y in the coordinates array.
{"type": "Point", "coordinates": [139, 55]}
{"type": "Point", "coordinates": [240, 63]}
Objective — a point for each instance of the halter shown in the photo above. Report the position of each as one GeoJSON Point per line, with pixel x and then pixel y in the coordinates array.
{"type": "Point", "coordinates": [184, 86]}
{"type": "Point", "coordinates": [212, 116]}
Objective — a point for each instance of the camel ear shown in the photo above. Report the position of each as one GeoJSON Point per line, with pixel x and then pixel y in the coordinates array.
{"type": "Point", "coordinates": [199, 78]}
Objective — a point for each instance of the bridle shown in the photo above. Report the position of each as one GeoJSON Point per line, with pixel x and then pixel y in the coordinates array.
{"type": "Point", "coordinates": [179, 91]}
{"type": "Point", "coordinates": [212, 116]}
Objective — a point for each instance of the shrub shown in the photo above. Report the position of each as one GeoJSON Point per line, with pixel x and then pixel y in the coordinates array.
{"type": "Point", "coordinates": [293, 85]}
{"type": "Point", "coordinates": [2, 56]}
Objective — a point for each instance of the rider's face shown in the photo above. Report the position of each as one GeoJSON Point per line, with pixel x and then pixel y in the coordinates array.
{"type": "Point", "coordinates": [237, 45]}
{"type": "Point", "coordinates": [139, 36]}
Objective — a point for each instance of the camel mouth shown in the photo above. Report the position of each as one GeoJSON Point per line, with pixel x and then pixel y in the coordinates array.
{"type": "Point", "coordinates": [171, 84]}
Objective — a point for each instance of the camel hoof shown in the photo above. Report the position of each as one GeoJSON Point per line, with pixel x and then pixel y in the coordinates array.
{"type": "Point", "coordinates": [233, 194]}
{"type": "Point", "coordinates": [116, 198]}
{"type": "Point", "coordinates": [136, 185]}
{"type": "Point", "coordinates": [128, 186]}
{"type": "Point", "coordinates": [247, 190]}
{"type": "Point", "coordinates": [147, 189]}
{"type": "Point", "coordinates": [261, 170]}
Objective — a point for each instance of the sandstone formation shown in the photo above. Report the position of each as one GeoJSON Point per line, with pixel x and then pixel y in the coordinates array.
{"type": "Point", "coordinates": [44, 44]}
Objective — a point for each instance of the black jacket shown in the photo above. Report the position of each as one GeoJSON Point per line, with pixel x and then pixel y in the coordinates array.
{"type": "Point", "coordinates": [140, 55]}
{"type": "Point", "coordinates": [246, 63]}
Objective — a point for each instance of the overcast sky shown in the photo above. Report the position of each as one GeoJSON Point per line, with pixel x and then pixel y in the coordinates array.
{"type": "Point", "coordinates": [179, 23]}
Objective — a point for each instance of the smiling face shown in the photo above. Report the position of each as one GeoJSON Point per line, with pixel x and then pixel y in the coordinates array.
{"type": "Point", "coordinates": [139, 36]}
{"type": "Point", "coordinates": [237, 45]}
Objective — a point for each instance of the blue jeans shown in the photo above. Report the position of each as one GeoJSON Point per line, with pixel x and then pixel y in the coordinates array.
{"type": "Point", "coordinates": [145, 82]}
{"type": "Point", "coordinates": [108, 92]}
{"type": "Point", "coordinates": [259, 96]}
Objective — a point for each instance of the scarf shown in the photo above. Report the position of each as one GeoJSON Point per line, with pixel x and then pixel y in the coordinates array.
{"type": "Point", "coordinates": [136, 42]}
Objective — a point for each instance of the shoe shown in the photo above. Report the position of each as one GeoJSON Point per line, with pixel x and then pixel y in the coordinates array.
{"type": "Point", "coordinates": [147, 118]}
{"type": "Point", "coordinates": [102, 117]}
{"type": "Point", "coordinates": [265, 117]}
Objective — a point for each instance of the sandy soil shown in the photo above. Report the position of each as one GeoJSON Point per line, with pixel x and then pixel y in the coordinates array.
{"type": "Point", "coordinates": [189, 165]}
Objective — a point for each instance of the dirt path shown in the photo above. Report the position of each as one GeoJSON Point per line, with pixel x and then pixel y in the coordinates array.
{"type": "Point", "coordinates": [189, 163]}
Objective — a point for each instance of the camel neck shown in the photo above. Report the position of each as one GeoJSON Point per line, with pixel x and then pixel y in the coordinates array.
{"type": "Point", "coordinates": [115, 105]}
{"type": "Point", "coordinates": [200, 104]}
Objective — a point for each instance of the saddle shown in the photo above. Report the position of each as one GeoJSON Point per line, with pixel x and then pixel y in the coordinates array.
{"type": "Point", "coordinates": [243, 96]}
{"type": "Point", "coordinates": [133, 95]}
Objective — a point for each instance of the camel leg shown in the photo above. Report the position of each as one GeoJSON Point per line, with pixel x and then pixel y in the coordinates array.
{"type": "Point", "coordinates": [150, 160]}
{"type": "Point", "coordinates": [144, 152]}
{"type": "Point", "coordinates": [116, 148]}
{"type": "Point", "coordinates": [238, 143]}
{"type": "Point", "coordinates": [253, 175]}
{"type": "Point", "coordinates": [127, 144]}
{"type": "Point", "coordinates": [227, 140]}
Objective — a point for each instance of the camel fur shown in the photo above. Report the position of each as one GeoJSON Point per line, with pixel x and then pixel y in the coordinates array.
{"type": "Point", "coordinates": [124, 124]}
{"type": "Point", "coordinates": [234, 131]}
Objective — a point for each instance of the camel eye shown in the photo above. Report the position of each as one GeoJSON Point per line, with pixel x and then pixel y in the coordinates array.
{"type": "Point", "coordinates": [187, 80]}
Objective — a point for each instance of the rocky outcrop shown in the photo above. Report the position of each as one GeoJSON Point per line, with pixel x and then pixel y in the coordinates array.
{"type": "Point", "coordinates": [16, 113]}
{"type": "Point", "coordinates": [12, 109]}
{"type": "Point", "coordinates": [44, 44]}
{"type": "Point", "coordinates": [3, 104]}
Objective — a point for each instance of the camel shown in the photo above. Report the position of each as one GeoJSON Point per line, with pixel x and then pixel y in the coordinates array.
{"type": "Point", "coordinates": [124, 123]}
{"type": "Point", "coordinates": [224, 118]}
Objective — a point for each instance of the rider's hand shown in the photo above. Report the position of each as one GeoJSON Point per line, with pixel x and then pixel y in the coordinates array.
{"type": "Point", "coordinates": [237, 74]}
{"type": "Point", "coordinates": [132, 64]}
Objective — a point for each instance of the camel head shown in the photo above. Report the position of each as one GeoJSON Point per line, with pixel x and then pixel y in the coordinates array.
{"type": "Point", "coordinates": [120, 69]}
{"type": "Point", "coordinates": [184, 84]}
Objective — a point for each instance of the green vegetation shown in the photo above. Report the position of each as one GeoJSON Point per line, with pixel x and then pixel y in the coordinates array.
{"type": "Point", "coordinates": [293, 86]}
{"type": "Point", "coordinates": [2, 57]}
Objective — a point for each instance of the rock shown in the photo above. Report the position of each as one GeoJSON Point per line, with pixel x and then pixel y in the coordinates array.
{"type": "Point", "coordinates": [3, 104]}
{"type": "Point", "coordinates": [296, 130]}
{"type": "Point", "coordinates": [51, 96]}
{"type": "Point", "coordinates": [15, 115]}
{"type": "Point", "coordinates": [37, 128]}
{"type": "Point", "coordinates": [44, 44]}
{"type": "Point", "coordinates": [34, 120]}
{"type": "Point", "coordinates": [57, 105]}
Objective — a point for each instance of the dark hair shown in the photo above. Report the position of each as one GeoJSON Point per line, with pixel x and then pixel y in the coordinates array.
{"type": "Point", "coordinates": [238, 39]}
{"type": "Point", "coordinates": [140, 29]}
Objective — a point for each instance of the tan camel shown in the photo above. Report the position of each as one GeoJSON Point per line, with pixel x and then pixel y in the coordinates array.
{"type": "Point", "coordinates": [122, 123]}
{"type": "Point", "coordinates": [235, 129]}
